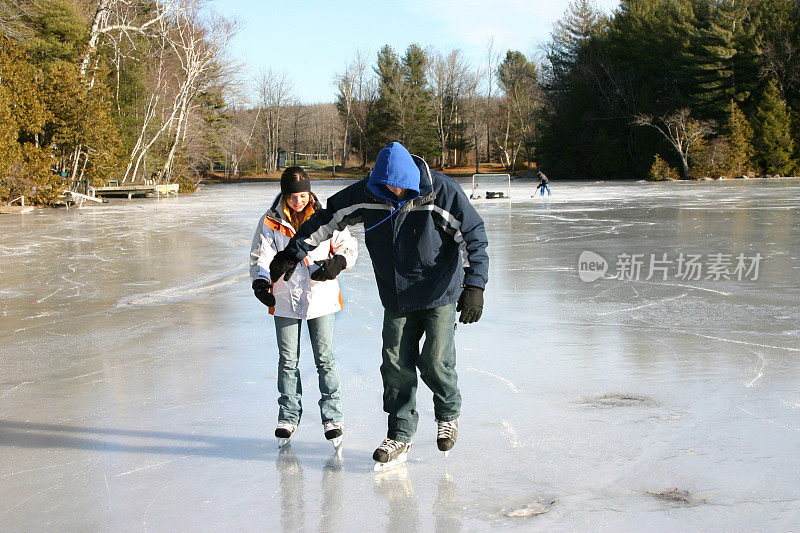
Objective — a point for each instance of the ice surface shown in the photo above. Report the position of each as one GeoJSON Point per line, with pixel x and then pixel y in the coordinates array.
{"type": "Point", "coordinates": [138, 373]}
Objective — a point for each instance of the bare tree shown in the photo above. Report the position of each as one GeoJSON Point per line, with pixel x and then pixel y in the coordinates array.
{"type": "Point", "coordinates": [472, 103]}
{"type": "Point", "coordinates": [275, 93]}
{"type": "Point", "coordinates": [158, 93]}
{"type": "Point", "coordinates": [680, 131]}
{"type": "Point", "coordinates": [366, 94]}
{"type": "Point", "coordinates": [346, 85]}
{"type": "Point", "coordinates": [518, 78]}
{"type": "Point", "coordinates": [492, 59]}
{"type": "Point", "coordinates": [121, 18]}
{"type": "Point", "coordinates": [198, 43]}
{"type": "Point", "coordinates": [448, 78]}
{"type": "Point", "coordinates": [14, 15]}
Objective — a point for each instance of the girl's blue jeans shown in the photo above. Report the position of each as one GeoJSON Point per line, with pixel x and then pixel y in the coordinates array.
{"type": "Point", "coordinates": [320, 330]}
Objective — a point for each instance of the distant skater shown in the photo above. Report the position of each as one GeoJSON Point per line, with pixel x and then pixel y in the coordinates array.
{"type": "Point", "coordinates": [543, 184]}
{"type": "Point", "coordinates": [312, 295]}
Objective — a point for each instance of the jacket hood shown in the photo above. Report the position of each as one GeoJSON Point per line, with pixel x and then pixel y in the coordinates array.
{"type": "Point", "coordinates": [396, 167]}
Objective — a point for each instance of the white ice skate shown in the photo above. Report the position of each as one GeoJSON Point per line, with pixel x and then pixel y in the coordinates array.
{"type": "Point", "coordinates": [446, 435]}
{"type": "Point", "coordinates": [284, 432]}
{"type": "Point", "coordinates": [333, 432]}
{"type": "Point", "coordinates": [391, 454]}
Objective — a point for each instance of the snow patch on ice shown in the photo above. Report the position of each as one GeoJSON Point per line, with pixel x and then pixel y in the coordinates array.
{"type": "Point", "coordinates": [533, 508]}
{"type": "Point", "coordinates": [677, 496]}
{"type": "Point", "coordinates": [618, 400]}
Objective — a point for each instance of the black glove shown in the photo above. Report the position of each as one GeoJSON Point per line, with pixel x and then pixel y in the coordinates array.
{"type": "Point", "coordinates": [329, 268]}
{"type": "Point", "coordinates": [470, 304]}
{"type": "Point", "coordinates": [283, 264]}
{"type": "Point", "coordinates": [261, 290]}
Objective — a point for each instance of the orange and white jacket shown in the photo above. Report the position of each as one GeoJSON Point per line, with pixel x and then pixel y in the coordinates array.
{"type": "Point", "coordinates": [300, 297]}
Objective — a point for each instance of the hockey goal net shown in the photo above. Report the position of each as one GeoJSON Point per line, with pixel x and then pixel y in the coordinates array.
{"type": "Point", "coordinates": [490, 186]}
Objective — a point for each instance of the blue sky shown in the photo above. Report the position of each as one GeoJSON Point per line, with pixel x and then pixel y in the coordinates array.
{"type": "Point", "coordinates": [313, 40]}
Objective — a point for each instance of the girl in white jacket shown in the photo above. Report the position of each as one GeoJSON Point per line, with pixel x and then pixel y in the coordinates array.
{"type": "Point", "coordinates": [312, 294]}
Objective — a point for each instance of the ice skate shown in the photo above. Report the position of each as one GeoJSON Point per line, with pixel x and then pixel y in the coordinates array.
{"type": "Point", "coordinates": [333, 432]}
{"type": "Point", "coordinates": [446, 435]}
{"type": "Point", "coordinates": [284, 432]}
{"type": "Point", "coordinates": [391, 454]}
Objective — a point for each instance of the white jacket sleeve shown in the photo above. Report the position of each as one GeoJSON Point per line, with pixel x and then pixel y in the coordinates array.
{"type": "Point", "coordinates": [346, 245]}
{"type": "Point", "coordinates": [262, 250]}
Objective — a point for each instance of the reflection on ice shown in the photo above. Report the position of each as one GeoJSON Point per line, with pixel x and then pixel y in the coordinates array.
{"type": "Point", "coordinates": [138, 383]}
{"type": "Point", "coordinates": [396, 488]}
{"type": "Point", "coordinates": [292, 485]}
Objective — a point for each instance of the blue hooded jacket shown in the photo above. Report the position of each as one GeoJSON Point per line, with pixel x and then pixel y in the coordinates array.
{"type": "Point", "coordinates": [415, 241]}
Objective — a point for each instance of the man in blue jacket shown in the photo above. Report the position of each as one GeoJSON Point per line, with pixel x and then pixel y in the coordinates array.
{"type": "Point", "coordinates": [416, 222]}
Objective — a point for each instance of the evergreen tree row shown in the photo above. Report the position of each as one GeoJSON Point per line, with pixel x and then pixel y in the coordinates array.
{"type": "Point", "coordinates": [711, 87]}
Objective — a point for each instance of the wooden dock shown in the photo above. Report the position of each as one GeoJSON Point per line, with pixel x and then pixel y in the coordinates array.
{"type": "Point", "coordinates": [136, 190]}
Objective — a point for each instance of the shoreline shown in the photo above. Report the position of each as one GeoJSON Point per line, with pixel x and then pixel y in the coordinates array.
{"type": "Point", "coordinates": [272, 179]}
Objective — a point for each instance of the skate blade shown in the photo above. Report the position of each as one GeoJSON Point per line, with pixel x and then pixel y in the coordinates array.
{"type": "Point", "coordinates": [397, 463]}
{"type": "Point", "coordinates": [446, 453]}
{"type": "Point", "coordinates": [282, 442]}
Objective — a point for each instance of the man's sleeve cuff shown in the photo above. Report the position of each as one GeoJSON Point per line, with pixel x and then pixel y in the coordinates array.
{"type": "Point", "coordinates": [475, 281]}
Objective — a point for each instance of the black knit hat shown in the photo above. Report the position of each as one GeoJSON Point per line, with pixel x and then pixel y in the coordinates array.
{"type": "Point", "coordinates": [294, 179]}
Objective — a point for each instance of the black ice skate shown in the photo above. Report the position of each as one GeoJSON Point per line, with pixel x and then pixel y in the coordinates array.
{"type": "Point", "coordinates": [390, 454]}
{"type": "Point", "coordinates": [446, 435]}
{"type": "Point", "coordinates": [284, 432]}
{"type": "Point", "coordinates": [333, 432]}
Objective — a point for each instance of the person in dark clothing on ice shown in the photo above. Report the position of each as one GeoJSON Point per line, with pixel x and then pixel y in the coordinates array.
{"type": "Point", "coordinates": [543, 184]}
{"type": "Point", "coordinates": [416, 222]}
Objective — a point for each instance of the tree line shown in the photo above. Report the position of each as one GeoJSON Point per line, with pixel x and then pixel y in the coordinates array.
{"type": "Point", "coordinates": [660, 88]}
{"type": "Point", "coordinates": [673, 87]}
{"type": "Point", "coordinates": [93, 90]}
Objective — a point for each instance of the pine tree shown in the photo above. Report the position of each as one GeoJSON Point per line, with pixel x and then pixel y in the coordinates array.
{"type": "Point", "coordinates": [581, 21]}
{"type": "Point", "coordinates": [23, 162]}
{"type": "Point", "coordinates": [419, 128]}
{"type": "Point", "coordinates": [739, 134]}
{"type": "Point", "coordinates": [59, 33]}
{"type": "Point", "coordinates": [774, 147]}
{"type": "Point", "coordinates": [383, 123]}
{"type": "Point", "coordinates": [708, 63]}
{"type": "Point", "coordinates": [402, 110]}
{"type": "Point", "coordinates": [795, 116]}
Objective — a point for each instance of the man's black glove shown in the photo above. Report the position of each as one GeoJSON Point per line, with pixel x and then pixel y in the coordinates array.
{"type": "Point", "coordinates": [329, 268]}
{"type": "Point", "coordinates": [283, 264]}
{"type": "Point", "coordinates": [470, 304]}
{"type": "Point", "coordinates": [261, 290]}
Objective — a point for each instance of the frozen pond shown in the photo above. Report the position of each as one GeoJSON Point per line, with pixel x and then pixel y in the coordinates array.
{"type": "Point", "coordinates": [138, 379]}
